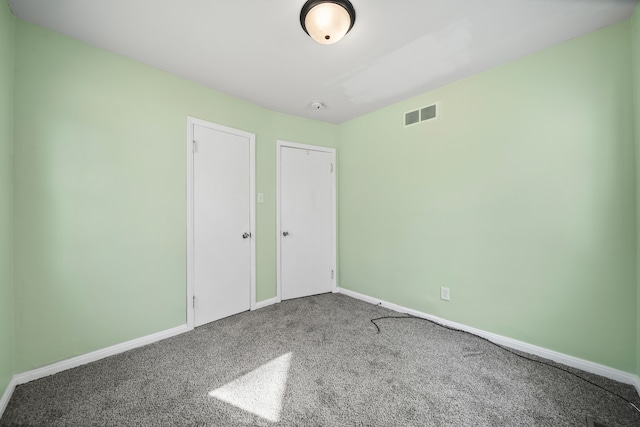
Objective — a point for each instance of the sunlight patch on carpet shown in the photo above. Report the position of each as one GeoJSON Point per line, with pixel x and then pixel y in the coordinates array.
{"type": "Point", "coordinates": [261, 391]}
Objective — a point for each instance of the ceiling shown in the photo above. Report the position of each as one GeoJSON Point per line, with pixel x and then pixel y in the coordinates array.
{"type": "Point", "coordinates": [256, 49]}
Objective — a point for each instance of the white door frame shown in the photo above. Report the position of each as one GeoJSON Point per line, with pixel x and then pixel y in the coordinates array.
{"type": "Point", "coordinates": [191, 122]}
{"type": "Point", "coordinates": [332, 151]}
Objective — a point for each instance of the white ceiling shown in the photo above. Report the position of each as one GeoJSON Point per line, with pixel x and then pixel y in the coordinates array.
{"type": "Point", "coordinates": [257, 51]}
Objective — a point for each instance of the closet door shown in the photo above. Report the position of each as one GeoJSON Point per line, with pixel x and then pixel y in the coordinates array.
{"type": "Point", "coordinates": [222, 249]}
{"type": "Point", "coordinates": [307, 212]}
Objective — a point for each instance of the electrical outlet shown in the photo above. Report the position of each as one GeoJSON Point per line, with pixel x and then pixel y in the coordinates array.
{"type": "Point", "coordinates": [444, 293]}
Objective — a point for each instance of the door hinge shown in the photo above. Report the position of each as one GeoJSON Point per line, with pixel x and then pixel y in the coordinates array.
{"type": "Point", "coordinates": [195, 146]}
{"type": "Point", "coordinates": [332, 274]}
{"type": "Point", "coordinates": [194, 301]}
{"type": "Point", "coordinates": [331, 167]}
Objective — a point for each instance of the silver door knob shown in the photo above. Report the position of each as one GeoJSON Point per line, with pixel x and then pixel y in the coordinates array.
{"type": "Point", "coordinates": [246, 235]}
{"type": "Point", "coordinates": [285, 233]}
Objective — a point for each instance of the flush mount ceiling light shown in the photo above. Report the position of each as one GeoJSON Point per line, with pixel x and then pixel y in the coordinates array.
{"type": "Point", "coordinates": [327, 21]}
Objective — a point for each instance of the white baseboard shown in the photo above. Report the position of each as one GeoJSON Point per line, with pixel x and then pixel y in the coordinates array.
{"type": "Point", "coordinates": [6, 396]}
{"type": "Point", "coordinates": [565, 359]}
{"type": "Point", "coordinates": [45, 371]}
{"type": "Point", "coordinates": [266, 303]}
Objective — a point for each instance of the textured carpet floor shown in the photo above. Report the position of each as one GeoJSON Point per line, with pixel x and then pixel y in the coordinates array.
{"type": "Point", "coordinates": [318, 361]}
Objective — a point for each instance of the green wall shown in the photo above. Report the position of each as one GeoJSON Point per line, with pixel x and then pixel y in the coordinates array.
{"type": "Point", "coordinates": [520, 198]}
{"type": "Point", "coordinates": [100, 197]}
{"type": "Point", "coordinates": [6, 195]}
{"type": "Point", "coordinates": [635, 45]}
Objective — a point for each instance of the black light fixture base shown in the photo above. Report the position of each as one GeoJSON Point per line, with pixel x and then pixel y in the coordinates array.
{"type": "Point", "coordinates": [310, 4]}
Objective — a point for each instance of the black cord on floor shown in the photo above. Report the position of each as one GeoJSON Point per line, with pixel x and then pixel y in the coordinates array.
{"type": "Point", "coordinates": [409, 316]}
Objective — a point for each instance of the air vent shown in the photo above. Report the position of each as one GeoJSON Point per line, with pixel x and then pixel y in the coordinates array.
{"type": "Point", "coordinates": [412, 118]}
{"type": "Point", "coordinates": [420, 115]}
{"type": "Point", "coordinates": [427, 113]}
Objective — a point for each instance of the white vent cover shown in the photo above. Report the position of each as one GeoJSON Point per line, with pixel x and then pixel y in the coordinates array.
{"type": "Point", "coordinates": [420, 115]}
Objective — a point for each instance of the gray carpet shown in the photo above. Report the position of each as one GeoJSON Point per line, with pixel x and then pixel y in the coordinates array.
{"type": "Point", "coordinates": [318, 361]}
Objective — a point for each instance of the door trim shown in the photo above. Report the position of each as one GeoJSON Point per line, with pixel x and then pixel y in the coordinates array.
{"type": "Point", "coordinates": [191, 122]}
{"type": "Point", "coordinates": [332, 151]}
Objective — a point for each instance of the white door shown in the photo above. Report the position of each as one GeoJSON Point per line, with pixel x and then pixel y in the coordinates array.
{"type": "Point", "coordinates": [222, 210]}
{"type": "Point", "coordinates": [307, 233]}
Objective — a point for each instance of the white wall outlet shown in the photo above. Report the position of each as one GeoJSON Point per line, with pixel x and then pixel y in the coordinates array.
{"type": "Point", "coordinates": [444, 293]}
{"type": "Point", "coordinates": [260, 197]}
